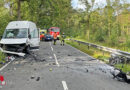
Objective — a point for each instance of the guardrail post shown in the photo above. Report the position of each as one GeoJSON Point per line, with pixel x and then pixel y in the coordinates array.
{"type": "Point", "coordinates": [126, 63]}
{"type": "Point", "coordinates": [79, 43]}
{"type": "Point", "coordinates": [103, 53]}
{"type": "Point", "coordinates": [88, 47]}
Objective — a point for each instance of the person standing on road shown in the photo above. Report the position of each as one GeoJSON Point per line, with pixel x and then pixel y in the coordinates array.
{"type": "Point", "coordinates": [41, 37]}
{"type": "Point", "coordinates": [55, 37]}
{"type": "Point", "coordinates": [62, 39]}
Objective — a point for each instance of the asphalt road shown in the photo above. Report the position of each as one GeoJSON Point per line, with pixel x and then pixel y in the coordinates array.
{"type": "Point", "coordinates": [56, 67]}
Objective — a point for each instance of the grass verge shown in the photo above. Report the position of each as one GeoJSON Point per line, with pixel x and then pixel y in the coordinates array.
{"type": "Point", "coordinates": [124, 67]}
{"type": "Point", "coordinates": [2, 58]}
{"type": "Point", "coordinates": [98, 54]}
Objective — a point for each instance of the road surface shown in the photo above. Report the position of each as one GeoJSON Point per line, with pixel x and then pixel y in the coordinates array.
{"type": "Point", "coordinates": [56, 67]}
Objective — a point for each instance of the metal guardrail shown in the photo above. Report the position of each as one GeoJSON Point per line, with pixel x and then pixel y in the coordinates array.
{"type": "Point", "coordinates": [114, 51]}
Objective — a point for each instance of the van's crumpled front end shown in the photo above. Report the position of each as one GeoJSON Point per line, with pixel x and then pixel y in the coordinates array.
{"type": "Point", "coordinates": [14, 45]}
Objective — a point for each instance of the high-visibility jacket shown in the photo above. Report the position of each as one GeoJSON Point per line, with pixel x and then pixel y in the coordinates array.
{"type": "Point", "coordinates": [55, 36]}
{"type": "Point", "coordinates": [63, 37]}
{"type": "Point", "coordinates": [41, 36]}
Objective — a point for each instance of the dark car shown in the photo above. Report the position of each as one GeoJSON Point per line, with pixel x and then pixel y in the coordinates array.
{"type": "Point", "coordinates": [48, 37]}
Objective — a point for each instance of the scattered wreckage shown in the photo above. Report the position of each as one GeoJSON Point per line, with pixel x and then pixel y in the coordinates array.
{"type": "Point", "coordinates": [117, 59]}
{"type": "Point", "coordinates": [120, 75]}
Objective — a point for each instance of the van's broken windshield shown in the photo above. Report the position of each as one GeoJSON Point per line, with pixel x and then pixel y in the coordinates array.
{"type": "Point", "coordinates": [15, 33]}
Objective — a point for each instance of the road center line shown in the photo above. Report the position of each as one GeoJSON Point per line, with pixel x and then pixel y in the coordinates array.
{"type": "Point", "coordinates": [51, 48]}
{"type": "Point", "coordinates": [64, 85]}
{"type": "Point", "coordinates": [56, 60]}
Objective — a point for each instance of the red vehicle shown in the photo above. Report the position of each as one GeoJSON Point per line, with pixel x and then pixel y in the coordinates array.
{"type": "Point", "coordinates": [54, 29]}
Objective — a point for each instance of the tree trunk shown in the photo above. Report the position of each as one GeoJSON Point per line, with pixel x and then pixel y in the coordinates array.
{"type": "Point", "coordinates": [19, 9]}
{"type": "Point", "coordinates": [88, 27]}
{"type": "Point", "coordinates": [11, 11]}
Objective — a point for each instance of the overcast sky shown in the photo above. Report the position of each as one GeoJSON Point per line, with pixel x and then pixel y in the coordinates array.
{"type": "Point", "coordinates": [101, 3]}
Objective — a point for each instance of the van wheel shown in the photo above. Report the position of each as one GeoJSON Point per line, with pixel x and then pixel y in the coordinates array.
{"type": "Point", "coordinates": [28, 50]}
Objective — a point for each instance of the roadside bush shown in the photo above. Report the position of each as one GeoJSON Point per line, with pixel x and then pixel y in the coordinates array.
{"type": "Point", "coordinates": [128, 43]}
{"type": "Point", "coordinates": [2, 57]}
{"type": "Point", "coordinates": [99, 36]}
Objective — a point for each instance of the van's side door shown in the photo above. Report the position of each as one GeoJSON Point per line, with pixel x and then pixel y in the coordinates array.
{"type": "Point", "coordinates": [35, 41]}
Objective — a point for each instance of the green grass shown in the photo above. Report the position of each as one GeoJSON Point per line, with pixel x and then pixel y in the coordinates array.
{"type": "Point", "coordinates": [2, 58]}
{"type": "Point", "coordinates": [124, 67]}
{"type": "Point", "coordinates": [91, 51]}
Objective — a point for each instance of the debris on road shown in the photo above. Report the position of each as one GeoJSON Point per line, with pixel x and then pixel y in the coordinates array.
{"type": "Point", "coordinates": [69, 55]}
{"type": "Point", "coordinates": [38, 78]}
{"type": "Point", "coordinates": [36, 57]}
{"type": "Point", "coordinates": [86, 69]}
{"type": "Point", "coordinates": [35, 69]}
{"type": "Point", "coordinates": [120, 76]}
{"type": "Point", "coordinates": [50, 69]}
{"type": "Point", "coordinates": [54, 63]}
{"type": "Point", "coordinates": [58, 52]}
{"type": "Point", "coordinates": [32, 77]}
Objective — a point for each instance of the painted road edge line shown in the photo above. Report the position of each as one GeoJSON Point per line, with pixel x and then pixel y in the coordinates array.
{"type": "Point", "coordinates": [5, 65]}
{"type": "Point", "coordinates": [64, 85]}
{"type": "Point", "coordinates": [56, 60]}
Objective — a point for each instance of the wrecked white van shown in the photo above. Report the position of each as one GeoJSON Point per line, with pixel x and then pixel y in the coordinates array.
{"type": "Point", "coordinates": [20, 36]}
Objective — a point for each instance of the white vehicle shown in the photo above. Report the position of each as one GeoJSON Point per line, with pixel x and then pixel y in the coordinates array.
{"type": "Point", "coordinates": [20, 36]}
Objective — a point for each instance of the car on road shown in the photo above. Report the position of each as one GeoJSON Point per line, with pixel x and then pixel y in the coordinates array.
{"type": "Point", "coordinates": [48, 37]}
{"type": "Point", "coordinates": [20, 36]}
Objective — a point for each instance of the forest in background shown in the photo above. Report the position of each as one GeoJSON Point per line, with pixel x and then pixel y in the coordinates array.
{"type": "Point", "coordinates": [109, 25]}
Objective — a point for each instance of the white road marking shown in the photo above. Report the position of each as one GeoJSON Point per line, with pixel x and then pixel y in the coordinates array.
{"type": "Point", "coordinates": [51, 48]}
{"type": "Point", "coordinates": [5, 65]}
{"type": "Point", "coordinates": [64, 85]}
{"type": "Point", "coordinates": [56, 60]}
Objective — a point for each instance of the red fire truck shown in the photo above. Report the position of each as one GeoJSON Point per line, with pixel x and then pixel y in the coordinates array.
{"type": "Point", "coordinates": [52, 30]}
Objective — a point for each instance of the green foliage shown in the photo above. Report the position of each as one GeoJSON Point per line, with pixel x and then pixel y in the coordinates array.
{"type": "Point", "coordinates": [124, 67]}
{"type": "Point", "coordinates": [93, 24]}
{"type": "Point", "coordinates": [4, 19]}
{"type": "Point", "coordinates": [2, 57]}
